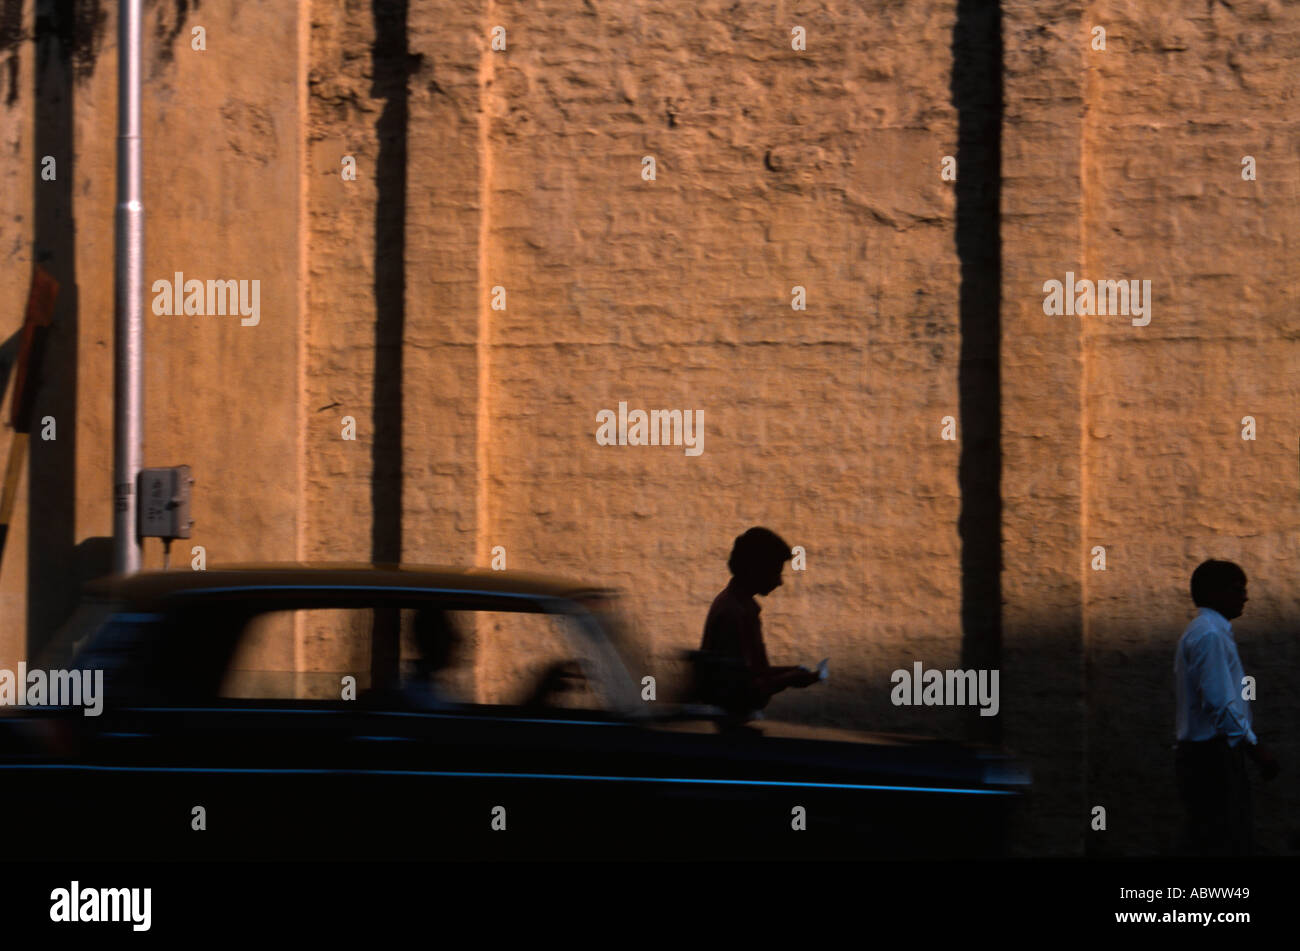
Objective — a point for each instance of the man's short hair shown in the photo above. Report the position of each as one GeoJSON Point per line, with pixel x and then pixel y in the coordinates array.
{"type": "Point", "coordinates": [758, 549]}
{"type": "Point", "coordinates": [1212, 576]}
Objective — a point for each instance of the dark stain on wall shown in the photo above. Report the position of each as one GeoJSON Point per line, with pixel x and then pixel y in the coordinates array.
{"type": "Point", "coordinates": [169, 25]}
{"type": "Point", "coordinates": [11, 38]}
{"type": "Point", "coordinates": [74, 31]}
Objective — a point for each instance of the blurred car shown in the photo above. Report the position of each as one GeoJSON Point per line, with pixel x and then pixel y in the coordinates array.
{"type": "Point", "coordinates": [296, 711]}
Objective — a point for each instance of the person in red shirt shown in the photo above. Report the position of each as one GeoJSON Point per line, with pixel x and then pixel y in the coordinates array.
{"type": "Point", "coordinates": [745, 680]}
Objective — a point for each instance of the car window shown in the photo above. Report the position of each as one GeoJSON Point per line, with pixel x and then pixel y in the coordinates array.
{"type": "Point", "coordinates": [302, 654]}
{"type": "Point", "coordinates": [419, 654]}
{"type": "Point", "coordinates": [534, 660]}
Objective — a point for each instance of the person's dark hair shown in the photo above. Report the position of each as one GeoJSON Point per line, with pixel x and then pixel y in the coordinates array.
{"type": "Point", "coordinates": [756, 550]}
{"type": "Point", "coordinates": [1212, 576]}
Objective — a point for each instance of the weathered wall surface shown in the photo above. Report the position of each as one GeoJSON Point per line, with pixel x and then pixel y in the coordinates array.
{"type": "Point", "coordinates": [222, 170]}
{"type": "Point", "coordinates": [1043, 557]}
{"type": "Point", "coordinates": [774, 168]}
{"type": "Point", "coordinates": [1181, 95]}
{"type": "Point", "coordinates": [521, 169]}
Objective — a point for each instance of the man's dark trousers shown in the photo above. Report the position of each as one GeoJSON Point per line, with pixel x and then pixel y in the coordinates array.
{"type": "Point", "coordinates": [1216, 796]}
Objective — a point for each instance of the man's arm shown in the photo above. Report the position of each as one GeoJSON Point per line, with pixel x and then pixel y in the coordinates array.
{"type": "Point", "coordinates": [767, 679]}
{"type": "Point", "coordinates": [1208, 669]}
{"type": "Point", "coordinates": [778, 678]}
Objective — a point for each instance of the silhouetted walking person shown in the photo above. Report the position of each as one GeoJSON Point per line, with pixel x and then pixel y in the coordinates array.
{"type": "Point", "coordinates": [438, 640]}
{"type": "Point", "coordinates": [1214, 722]}
{"type": "Point", "coordinates": [742, 679]}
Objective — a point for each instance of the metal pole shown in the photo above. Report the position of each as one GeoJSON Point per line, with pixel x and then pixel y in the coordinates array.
{"type": "Point", "coordinates": [128, 336]}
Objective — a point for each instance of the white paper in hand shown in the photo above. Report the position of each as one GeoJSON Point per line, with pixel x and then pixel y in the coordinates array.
{"type": "Point", "coordinates": [822, 671]}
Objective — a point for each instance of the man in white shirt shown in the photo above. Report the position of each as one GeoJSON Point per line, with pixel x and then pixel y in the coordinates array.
{"type": "Point", "coordinates": [1214, 722]}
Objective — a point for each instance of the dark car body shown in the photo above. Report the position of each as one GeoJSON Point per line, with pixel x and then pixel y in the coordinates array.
{"type": "Point", "coordinates": [171, 768]}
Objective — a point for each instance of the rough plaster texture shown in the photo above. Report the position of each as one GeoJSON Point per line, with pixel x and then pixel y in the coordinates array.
{"type": "Point", "coordinates": [775, 168]}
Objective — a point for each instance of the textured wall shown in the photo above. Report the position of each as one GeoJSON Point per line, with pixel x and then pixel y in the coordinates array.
{"type": "Point", "coordinates": [1180, 96]}
{"type": "Point", "coordinates": [222, 174]}
{"type": "Point", "coordinates": [522, 168]}
{"type": "Point", "coordinates": [1043, 555]}
{"type": "Point", "coordinates": [774, 168]}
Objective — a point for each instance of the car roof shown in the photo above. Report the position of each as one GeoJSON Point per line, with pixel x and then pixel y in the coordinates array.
{"type": "Point", "coordinates": [152, 586]}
